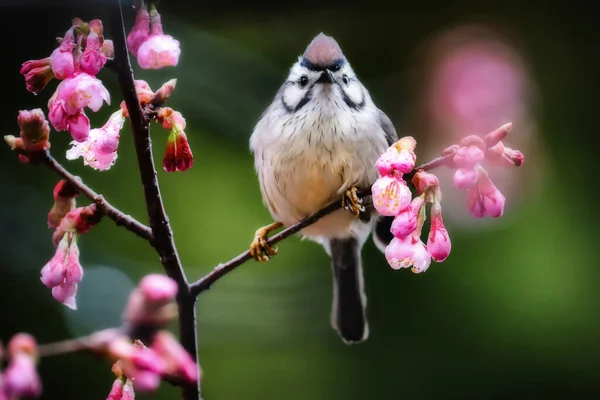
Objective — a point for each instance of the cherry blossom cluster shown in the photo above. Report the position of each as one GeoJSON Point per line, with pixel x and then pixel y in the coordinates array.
{"type": "Point", "coordinates": [392, 196]}
{"type": "Point", "coordinates": [20, 378]}
{"type": "Point", "coordinates": [81, 55]}
{"type": "Point", "coordinates": [140, 367]}
{"type": "Point", "coordinates": [64, 271]}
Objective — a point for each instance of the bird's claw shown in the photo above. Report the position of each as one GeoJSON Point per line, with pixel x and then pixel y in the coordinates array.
{"type": "Point", "coordinates": [351, 201]}
{"type": "Point", "coordinates": [260, 249]}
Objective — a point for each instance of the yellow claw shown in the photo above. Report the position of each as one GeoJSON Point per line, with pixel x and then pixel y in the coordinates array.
{"type": "Point", "coordinates": [260, 249]}
{"type": "Point", "coordinates": [351, 201]}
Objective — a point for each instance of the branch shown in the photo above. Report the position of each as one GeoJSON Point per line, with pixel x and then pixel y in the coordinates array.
{"type": "Point", "coordinates": [93, 342]}
{"type": "Point", "coordinates": [118, 216]}
{"type": "Point", "coordinates": [221, 270]}
{"type": "Point", "coordinates": [159, 222]}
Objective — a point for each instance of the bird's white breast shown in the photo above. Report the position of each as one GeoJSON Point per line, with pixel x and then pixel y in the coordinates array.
{"type": "Point", "coordinates": [308, 159]}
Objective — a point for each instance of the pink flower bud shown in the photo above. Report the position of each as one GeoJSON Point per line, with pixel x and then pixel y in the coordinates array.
{"type": "Point", "coordinates": [164, 92]}
{"type": "Point", "coordinates": [92, 59]}
{"type": "Point", "coordinates": [37, 74]}
{"type": "Point", "coordinates": [171, 119]}
{"type": "Point", "coordinates": [406, 221]}
{"type": "Point", "coordinates": [393, 159]}
{"type": "Point", "coordinates": [99, 150]}
{"type": "Point", "coordinates": [466, 178]}
{"type": "Point", "coordinates": [385, 161]}
{"type": "Point", "coordinates": [34, 130]}
{"type": "Point", "coordinates": [96, 27]}
{"type": "Point", "coordinates": [497, 135]}
{"type": "Point", "coordinates": [438, 242]}
{"type": "Point", "coordinates": [20, 378]}
{"type": "Point", "coordinates": [144, 366]}
{"type": "Point", "coordinates": [178, 154]}
{"type": "Point", "coordinates": [116, 392]}
{"type": "Point", "coordinates": [492, 199]}
{"type": "Point", "coordinates": [63, 272]}
{"type": "Point", "coordinates": [179, 363]}
{"type": "Point", "coordinates": [403, 253]}
{"type": "Point", "coordinates": [504, 156]}
{"type": "Point", "coordinates": [390, 195]}
{"type": "Point", "coordinates": [56, 113]}
{"type": "Point", "coordinates": [79, 126]}
{"type": "Point", "coordinates": [158, 288]}
{"type": "Point", "coordinates": [426, 182]}
{"type": "Point", "coordinates": [468, 157]}
{"type": "Point", "coordinates": [475, 203]}
{"type": "Point", "coordinates": [140, 31]}
{"type": "Point", "coordinates": [64, 201]}
{"type": "Point", "coordinates": [61, 59]}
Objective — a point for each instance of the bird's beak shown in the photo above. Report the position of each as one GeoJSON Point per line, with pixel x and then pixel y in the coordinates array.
{"type": "Point", "coordinates": [326, 77]}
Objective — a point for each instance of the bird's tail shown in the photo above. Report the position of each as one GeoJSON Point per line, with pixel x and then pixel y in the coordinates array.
{"type": "Point", "coordinates": [348, 313]}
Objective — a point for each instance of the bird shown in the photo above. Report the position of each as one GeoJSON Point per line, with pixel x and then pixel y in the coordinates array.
{"type": "Point", "coordinates": [316, 143]}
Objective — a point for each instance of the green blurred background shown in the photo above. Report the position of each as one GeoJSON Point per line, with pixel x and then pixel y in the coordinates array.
{"type": "Point", "coordinates": [514, 311]}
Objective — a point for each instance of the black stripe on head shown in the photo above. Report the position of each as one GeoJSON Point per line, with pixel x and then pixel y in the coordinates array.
{"type": "Point", "coordinates": [307, 96]}
{"type": "Point", "coordinates": [333, 67]}
{"type": "Point", "coordinates": [352, 104]}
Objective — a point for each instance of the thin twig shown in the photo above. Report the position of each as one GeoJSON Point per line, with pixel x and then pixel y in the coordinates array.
{"type": "Point", "coordinates": [159, 222]}
{"type": "Point", "coordinates": [221, 270]}
{"type": "Point", "coordinates": [118, 216]}
{"type": "Point", "coordinates": [94, 342]}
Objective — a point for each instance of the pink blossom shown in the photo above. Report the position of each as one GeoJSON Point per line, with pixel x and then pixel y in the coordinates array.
{"type": "Point", "coordinates": [82, 91]}
{"type": "Point", "coordinates": [37, 74]}
{"type": "Point", "coordinates": [468, 157]}
{"type": "Point", "coordinates": [438, 242]}
{"type": "Point", "coordinates": [63, 272]}
{"type": "Point", "coordinates": [99, 150]}
{"type": "Point", "coordinates": [410, 251]}
{"type": "Point", "coordinates": [121, 391]}
{"type": "Point", "coordinates": [143, 365]}
{"type": "Point", "coordinates": [398, 158]}
{"type": "Point", "coordinates": [116, 391]}
{"type": "Point", "coordinates": [390, 195]}
{"type": "Point", "coordinates": [179, 363]}
{"type": "Point", "coordinates": [159, 51]}
{"type": "Point", "coordinates": [493, 200]}
{"type": "Point", "coordinates": [20, 378]}
{"type": "Point", "coordinates": [61, 59]}
{"type": "Point", "coordinates": [475, 203]}
{"type": "Point", "coordinates": [466, 178]}
{"type": "Point", "coordinates": [71, 97]}
{"type": "Point", "coordinates": [140, 31]}
{"type": "Point", "coordinates": [158, 288]}
{"type": "Point", "coordinates": [92, 59]}
{"type": "Point", "coordinates": [148, 303]}
{"type": "Point", "coordinates": [504, 156]}
{"type": "Point", "coordinates": [407, 220]}
{"type": "Point", "coordinates": [485, 199]}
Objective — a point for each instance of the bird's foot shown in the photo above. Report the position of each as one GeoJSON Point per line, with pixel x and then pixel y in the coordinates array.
{"type": "Point", "coordinates": [260, 249]}
{"type": "Point", "coordinates": [351, 201]}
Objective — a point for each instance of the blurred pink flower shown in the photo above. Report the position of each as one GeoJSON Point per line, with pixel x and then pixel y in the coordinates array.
{"type": "Point", "coordinates": [140, 31]}
{"type": "Point", "coordinates": [37, 74]}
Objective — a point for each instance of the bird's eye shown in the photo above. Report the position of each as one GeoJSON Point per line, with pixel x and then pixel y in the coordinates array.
{"type": "Point", "coordinates": [303, 80]}
{"type": "Point", "coordinates": [345, 79]}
